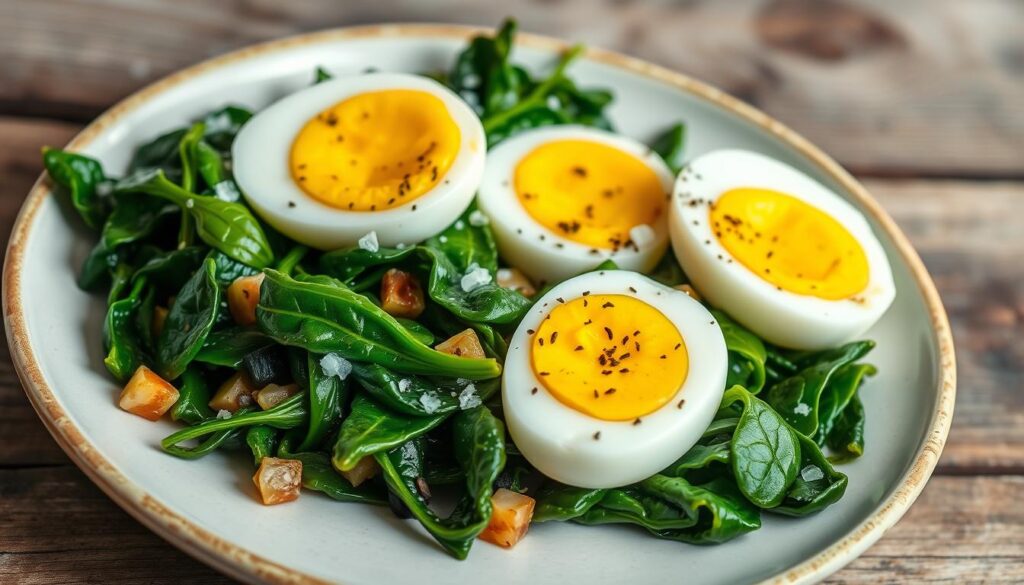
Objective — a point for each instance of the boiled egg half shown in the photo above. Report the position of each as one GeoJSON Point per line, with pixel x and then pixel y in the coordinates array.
{"type": "Point", "coordinates": [780, 252]}
{"type": "Point", "coordinates": [562, 199]}
{"type": "Point", "coordinates": [397, 155]}
{"type": "Point", "coordinates": [611, 377]}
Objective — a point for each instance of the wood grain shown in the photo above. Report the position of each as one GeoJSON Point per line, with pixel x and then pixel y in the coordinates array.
{"type": "Point", "coordinates": [889, 88]}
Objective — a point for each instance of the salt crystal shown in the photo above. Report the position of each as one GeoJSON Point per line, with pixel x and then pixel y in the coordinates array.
{"type": "Point", "coordinates": [335, 365]}
{"type": "Point", "coordinates": [461, 381]}
{"type": "Point", "coordinates": [430, 403]}
{"type": "Point", "coordinates": [468, 398]}
{"type": "Point", "coordinates": [369, 242]}
{"type": "Point", "coordinates": [442, 239]}
{"type": "Point", "coordinates": [226, 191]}
{"type": "Point", "coordinates": [504, 274]}
{"type": "Point", "coordinates": [642, 235]}
{"type": "Point", "coordinates": [475, 277]}
{"type": "Point", "coordinates": [553, 102]}
{"type": "Point", "coordinates": [478, 219]}
{"type": "Point", "coordinates": [460, 225]}
{"type": "Point", "coordinates": [400, 245]}
{"type": "Point", "coordinates": [404, 384]}
{"type": "Point", "coordinates": [190, 203]}
{"type": "Point", "coordinates": [812, 473]}
{"type": "Point", "coordinates": [223, 414]}
{"type": "Point", "coordinates": [802, 409]}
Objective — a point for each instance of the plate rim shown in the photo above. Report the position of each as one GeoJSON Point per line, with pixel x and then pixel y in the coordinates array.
{"type": "Point", "coordinates": [243, 564]}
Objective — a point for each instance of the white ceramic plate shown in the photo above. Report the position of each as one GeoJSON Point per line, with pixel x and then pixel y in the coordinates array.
{"type": "Point", "coordinates": [206, 507]}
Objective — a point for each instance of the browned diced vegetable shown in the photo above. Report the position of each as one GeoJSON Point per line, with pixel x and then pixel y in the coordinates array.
{"type": "Point", "coordinates": [147, 394]}
{"type": "Point", "coordinates": [513, 278]}
{"type": "Point", "coordinates": [463, 344]}
{"type": "Point", "coordinates": [401, 294]}
{"type": "Point", "coordinates": [159, 318]}
{"type": "Point", "coordinates": [689, 290]}
{"type": "Point", "coordinates": [272, 394]}
{"type": "Point", "coordinates": [232, 394]}
{"type": "Point", "coordinates": [510, 519]}
{"type": "Point", "coordinates": [364, 470]}
{"type": "Point", "coordinates": [243, 296]}
{"type": "Point", "coordinates": [278, 480]}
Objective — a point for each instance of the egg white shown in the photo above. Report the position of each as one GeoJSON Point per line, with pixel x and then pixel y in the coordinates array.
{"type": "Point", "coordinates": [261, 151]}
{"type": "Point", "coordinates": [779, 316]}
{"type": "Point", "coordinates": [547, 255]}
{"type": "Point", "coordinates": [559, 441]}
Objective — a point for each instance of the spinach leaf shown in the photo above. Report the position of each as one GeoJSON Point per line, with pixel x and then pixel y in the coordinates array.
{"type": "Point", "coordinates": [226, 347]}
{"type": "Point", "coordinates": [188, 152]}
{"type": "Point", "coordinates": [84, 180]}
{"type": "Point", "coordinates": [169, 270]}
{"type": "Point", "coordinates": [719, 510]}
{"type": "Point", "coordinates": [318, 475]}
{"type": "Point", "coordinates": [370, 429]}
{"type": "Point", "coordinates": [326, 395]}
{"type": "Point", "coordinates": [670, 147]}
{"type": "Point", "coordinates": [228, 269]}
{"type": "Point", "coordinates": [228, 227]}
{"type": "Point", "coordinates": [96, 267]}
{"type": "Point", "coordinates": [120, 338]}
{"type": "Point", "coordinates": [134, 217]}
{"type": "Point", "coordinates": [817, 486]}
{"type": "Point", "coordinates": [262, 441]}
{"type": "Point", "coordinates": [325, 318]}
{"type": "Point", "coordinates": [405, 393]}
{"type": "Point", "coordinates": [479, 440]}
{"type": "Point", "coordinates": [668, 271]}
{"type": "Point", "coordinates": [160, 153]}
{"type": "Point", "coordinates": [700, 456]}
{"type": "Point", "coordinates": [321, 75]}
{"type": "Point", "coordinates": [289, 413]}
{"type": "Point", "coordinates": [847, 437]}
{"type": "Point", "coordinates": [746, 354]}
{"type": "Point", "coordinates": [446, 257]}
{"type": "Point", "coordinates": [797, 398]}
{"type": "Point", "coordinates": [836, 397]}
{"type": "Point", "coordinates": [222, 125]}
{"type": "Point", "coordinates": [193, 396]}
{"type": "Point", "coordinates": [765, 451]}
{"type": "Point", "coordinates": [189, 322]}
{"type": "Point", "coordinates": [557, 502]}
{"type": "Point", "coordinates": [482, 75]}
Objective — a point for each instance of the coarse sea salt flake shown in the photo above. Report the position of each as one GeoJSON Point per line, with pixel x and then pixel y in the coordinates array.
{"type": "Point", "coordinates": [475, 277]}
{"type": "Point", "coordinates": [468, 398]}
{"type": "Point", "coordinates": [223, 414]}
{"type": "Point", "coordinates": [812, 473]}
{"type": "Point", "coordinates": [369, 242]}
{"type": "Point", "coordinates": [477, 218]}
{"type": "Point", "coordinates": [642, 235]}
{"type": "Point", "coordinates": [430, 402]}
{"type": "Point", "coordinates": [335, 365]}
{"type": "Point", "coordinates": [404, 384]}
{"type": "Point", "coordinates": [802, 409]}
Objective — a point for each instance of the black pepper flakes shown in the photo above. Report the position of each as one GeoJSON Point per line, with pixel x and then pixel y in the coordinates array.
{"type": "Point", "coordinates": [609, 333]}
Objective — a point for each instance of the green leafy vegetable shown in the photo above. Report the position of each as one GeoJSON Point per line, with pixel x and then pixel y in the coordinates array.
{"type": "Point", "coordinates": [124, 350]}
{"type": "Point", "coordinates": [326, 395]}
{"type": "Point", "coordinates": [746, 355]}
{"type": "Point", "coordinates": [323, 318]}
{"type": "Point", "coordinates": [226, 226]}
{"type": "Point", "coordinates": [193, 396]}
{"type": "Point", "coordinates": [83, 178]}
{"type": "Point", "coordinates": [289, 413]}
{"type": "Point", "coordinates": [670, 147]}
{"type": "Point", "coordinates": [262, 441]}
{"type": "Point", "coordinates": [370, 429]}
{"type": "Point", "coordinates": [318, 475]}
{"type": "Point", "coordinates": [189, 322]}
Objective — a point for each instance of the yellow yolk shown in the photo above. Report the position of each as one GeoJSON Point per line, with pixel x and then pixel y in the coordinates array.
{"type": "Point", "coordinates": [588, 192]}
{"type": "Point", "coordinates": [790, 244]}
{"type": "Point", "coordinates": [611, 357]}
{"type": "Point", "coordinates": [376, 150]}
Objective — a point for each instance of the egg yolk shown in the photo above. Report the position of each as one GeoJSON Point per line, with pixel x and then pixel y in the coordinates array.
{"type": "Point", "coordinates": [375, 150]}
{"type": "Point", "coordinates": [588, 192]}
{"type": "Point", "coordinates": [612, 357]}
{"type": "Point", "coordinates": [790, 244]}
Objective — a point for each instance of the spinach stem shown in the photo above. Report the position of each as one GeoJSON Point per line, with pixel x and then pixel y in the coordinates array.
{"type": "Point", "coordinates": [536, 96]}
{"type": "Point", "coordinates": [292, 259]}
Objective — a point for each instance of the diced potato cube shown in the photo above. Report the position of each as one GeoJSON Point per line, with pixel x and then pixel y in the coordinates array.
{"type": "Point", "coordinates": [278, 480]}
{"type": "Point", "coordinates": [514, 279]}
{"type": "Point", "coordinates": [364, 470]}
{"type": "Point", "coordinates": [689, 290]}
{"type": "Point", "coordinates": [273, 394]}
{"type": "Point", "coordinates": [233, 394]}
{"type": "Point", "coordinates": [510, 519]}
{"type": "Point", "coordinates": [243, 296]}
{"type": "Point", "coordinates": [159, 318]}
{"type": "Point", "coordinates": [147, 394]}
{"type": "Point", "coordinates": [401, 294]}
{"type": "Point", "coordinates": [463, 344]}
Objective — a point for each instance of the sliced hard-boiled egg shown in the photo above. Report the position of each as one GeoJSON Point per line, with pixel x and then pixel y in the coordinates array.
{"type": "Point", "coordinates": [562, 199]}
{"type": "Point", "coordinates": [777, 250]}
{"type": "Point", "coordinates": [611, 377]}
{"type": "Point", "coordinates": [394, 154]}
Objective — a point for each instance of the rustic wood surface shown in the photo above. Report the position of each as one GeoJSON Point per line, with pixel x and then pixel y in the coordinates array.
{"type": "Point", "coordinates": [922, 99]}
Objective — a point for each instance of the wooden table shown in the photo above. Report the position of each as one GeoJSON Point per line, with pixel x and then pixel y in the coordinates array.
{"type": "Point", "coordinates": [923, 100]}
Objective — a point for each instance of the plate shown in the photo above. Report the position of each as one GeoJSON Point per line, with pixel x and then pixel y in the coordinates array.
{"type": "Point", "coordinates": [206, 507]}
